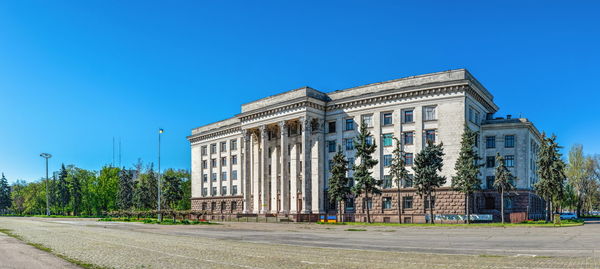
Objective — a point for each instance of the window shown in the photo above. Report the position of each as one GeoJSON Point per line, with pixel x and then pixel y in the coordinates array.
{"type": "Point", "coordinates": [213, 148]}
{"type": "Point", "coordinates": [349, 142]}
{"type": "Point", "coordinates": [331, 145]}
{"type": "Point", "coordinates": [490, 203]}
{"type": "Point", "coordinates": [214, 191]}
{"type": "Point", "coordinates": [233, 159]}
{"type": "Point", "coordinates": [350, 162]}
{"type": "Point", "coordinates": [223, 206]}
{"type": "Point", "coordinates": [330, 165]}
{"type": "Point", "coordinates": [369, 140]}
{"type": "Point", "coordinates": [408, 183]}
{"type": "Point", "coordinates": [509, 160]}
{"type": "Point", "coordinates": [204, 165]}
{"type": "Point", "coordinates": [349, 124]}
{"type": "Point", "coordinates": [224, 190]}
{"type": "Point", "coordinates": [204, 193]}
{"type": "Point", "coordinates": [387, 140]}
{"type": "Point", "coordinates": [233, 144]}
{"type": "Point", "coordinates": [387, 181]}
{"type": "Point", "coordinates": [407, 201]}
{"type": "Point", "coordinates": [474, 115]}
{"type": "Point", "coordinates": [508, 202]}
{"type": "Point", "coordinates": [490, 161]}
{"type": "Point", "coordinates": [205, 177]}
{"type": "Point", "coordinates": [223, 175]}
{"type": "Point", "coordinates": [430, 113]}
{"type": "Point", "coordinates": [407, 138]}
{"type": "Point", "coordinates": [430, 135]}
{"type": "Point", "coordinates": [490, 142]}
{"type": "Point", "coordinates": [368, 203]}
{"type": "Point", "coordinates": [213, 205]}
{"type": "Point", "coordinates": [203, 150]}
{"type": "Point", "coordinates": [223, 146]}
{"type": "Point", "coordinates": [223, 161]}
{"type": "Point", "coordinates": [489, 182]}
{"type": "Point", "coordinates": [387, 119]}
{"type": "Point", "coordinates": [233, 204]}
{"type": "Point", "coordinates": [213, 176]}
{"type": "Point", "coordinates": [387, 160]}
{"type": "Point", "coordinates": [387, 202]}
{"type": "Point", "coordinates": [234, 190]}
{"type": "Point", "coordinates": [234, 175]}
{"type": "Point", "coordinates": [408, 158]}
{"type": "Point", "coordinates": [331, 127]}
{"type": "Point", "coordinates": [407, 116]}
{"type": "Point", "coordinates": [432, 202]}
{"type": "Point", "coordinates": [349, 204]}
{"type": "Point", "coordinates": [509, 141]}
{"type": "Point", "coordinates": [213, 163]}
{"type": "Point", "coordinates": [367, 120]}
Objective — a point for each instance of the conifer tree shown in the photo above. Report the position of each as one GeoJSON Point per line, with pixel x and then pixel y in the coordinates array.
{"type": "Point", "coordinates": [428, 163]}
{"type": "Point", "coordinates": [551, 172]}
{"type": "Point", "coordinates": [399, 173]}
{"type": "Point", "coordinates": [365, 182]}
{"type": "Point", "coordinates": [5, 198]}
{"type": "Point", "coordinates": [75, 189]}
{"type": "Point", "coordinates": [338, 189]}
{"type": "Point", "coordinates": [62, 189]}
{"type": "Point", "coordinates": [502, 181]}
{"type": "Point", "coordinates": [467, 169]}
{"type": "Point", "coordinates": [172, 189]}
{"type": "Point", "coordinates": [125, 193]}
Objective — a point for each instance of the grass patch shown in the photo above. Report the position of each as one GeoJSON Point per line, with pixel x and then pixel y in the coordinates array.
{"type": "Point", "coordinates": [490, 256]}
{"type": "Point", "coordinates": [49, 250]}
{"type": "Point", "coordinates": [355, 230]}
{"type": "Point", "coordinates": [163, 222]}
{"type": "Point", "coordinates": [53, 216]}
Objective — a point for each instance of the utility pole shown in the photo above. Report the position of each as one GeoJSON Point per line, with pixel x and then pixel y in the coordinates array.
{"type": "Point", "coordinates": [160, 131]}
{"type": "Point", "coordinates": [47, 156]}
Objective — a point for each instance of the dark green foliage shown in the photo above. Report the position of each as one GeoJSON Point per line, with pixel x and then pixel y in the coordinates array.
{"type": "Point", "coordinates": [338, 189]}
{"type": "Point", "coordinates": [428, 163]}
{"type": "Point", "coordinates": [62, 190]}
{"type": "Point", "coordinates": [551, 172]}
{"type": "Point", "coordinates": [365, 182]}
{"type": "Point", "coordinates": [503, 181]}
{"type": "Point", "coordinates": [467, 168]}
{"type": "Point", "coordinates": [5, 199]}
{"type": "Point", "coordinates": [146, 192]}
{"type": "Point", "coordinates": [125, 194]}
{"type": "Point", "coordinates": [172, 191]}
{"type": "Point", "coordinates": [398, 172]}
{"type": "Point", "coordinates": [76, 178]}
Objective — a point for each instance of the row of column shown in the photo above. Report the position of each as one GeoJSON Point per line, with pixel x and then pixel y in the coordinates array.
{"type": "Point", "coordinates": [295, 182]}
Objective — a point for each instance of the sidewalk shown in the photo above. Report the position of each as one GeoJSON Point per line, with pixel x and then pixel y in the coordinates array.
{"type": "Point", "coordinates": [16, 254]}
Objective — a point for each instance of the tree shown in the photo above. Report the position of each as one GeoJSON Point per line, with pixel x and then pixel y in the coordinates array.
{"type": "Point", "coordinates": [125, 193]}
{"type": "Point", "coordinates": [75, 181]}
{"type": "Point", "coordinates": [467, 169]}
{"type": "Point", "coordinates": [145, 194]}
{"type": "Point", "coordinates": [551, 172]}
{"type": "Point", "coordinates": [62, 190]}
{"type": "Point", "coordinates": [5, 198]}
{"type": "Point", "coordinates": [338, 183]}
{"type": "Point", "coordinates": [580, 173]}
{"type": "Point", "coordinates": [428, 163]}
{"type": "Point", "coordinates": [172, 189]}
{"type": "Point", "coordinates": [365, 182]}
{"type": "Point", "coordinates": [502, 181]}
{"type": "Point", "coordinates": [106, 189]}
{"type": "Point", "coordinates": [399, 173]}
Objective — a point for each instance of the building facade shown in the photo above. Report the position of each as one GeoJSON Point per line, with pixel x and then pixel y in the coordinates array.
{"type": "Point", "coordinates": [274, 157]}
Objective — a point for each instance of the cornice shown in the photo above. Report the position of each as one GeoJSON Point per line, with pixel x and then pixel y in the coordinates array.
{"type": "Point", "coordinates": [253, 115]}
{"type": "Point", "coordinates": [208, 135]}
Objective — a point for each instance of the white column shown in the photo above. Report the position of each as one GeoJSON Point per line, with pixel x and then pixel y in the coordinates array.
{"type": "Point", "coordinates": [284, 178]}
{"type": "Point", "coordinates": [274, 186]}
{"type": "Point", "coordinates": [294, 176]}
{"type": "Point", "coordinates": [306, 166]}
{"type": "Point", "coordinates": [264, 163]}
{"type": "Point", "coordinates": [245, 170]}
{"type": "Point", "coordinates": [255, 163]}
{"type": "Point", "coordinates": [318, 169]}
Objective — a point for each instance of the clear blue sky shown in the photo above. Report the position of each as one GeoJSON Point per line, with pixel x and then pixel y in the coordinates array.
{"type": "Point", "coordinates": [75, 74]}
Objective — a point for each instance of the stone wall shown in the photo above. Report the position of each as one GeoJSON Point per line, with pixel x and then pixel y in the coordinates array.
{"type": "Point", "coordinates": [222, 205]}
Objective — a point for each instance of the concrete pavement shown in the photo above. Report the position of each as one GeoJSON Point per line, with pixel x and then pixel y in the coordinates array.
{"type": "Point", "coordinates": [16, 254]}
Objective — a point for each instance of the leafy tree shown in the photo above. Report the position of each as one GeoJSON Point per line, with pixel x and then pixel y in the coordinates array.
{"type": "Point", "coordinates": [581, 177]}
{"type": "Point", "coordinates": [399, 173]}
{"type": "Point", "coordinates": [62, 190]}
{"type": "Point", "coordinates": [125, 193]}
{"type": "Point", "coordinates": [365, 182]}
{"type": "Point", "coordinates": [338, 183]}
{"type": "Point", "coordinates": [17, 197]}
{"type": "Point", "coordinates": [502, 181]}
{"type": "Point", "coordinates": [467, 168]}
{"type": "Point", "coordinates": [5, 198]}
{"type": "Point", "coordinates": [428, 163]}
{"type": "Point", "coordinates": [551, 171]}
{"type": "Point", "coordinates": [106, 189]}
{"type": "Point", "coordinates": [145, 194]}
{"type": "Point", "coordinates": [173, 192]}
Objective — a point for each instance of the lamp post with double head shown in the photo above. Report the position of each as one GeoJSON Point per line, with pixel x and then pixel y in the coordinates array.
{"type": "Point", "coordinates": [47, 156]}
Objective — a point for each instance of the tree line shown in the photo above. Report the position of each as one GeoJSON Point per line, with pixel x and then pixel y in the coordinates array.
{"type": "Point", "coordinates": [77, 191]}
{"type": "Point", "coordinates": [572, 186]}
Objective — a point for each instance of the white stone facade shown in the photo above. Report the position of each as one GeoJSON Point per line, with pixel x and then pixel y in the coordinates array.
{"type": "Point", "coordinates": [283, 143]}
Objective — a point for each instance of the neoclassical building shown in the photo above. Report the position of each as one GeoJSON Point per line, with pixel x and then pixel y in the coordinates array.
{"type": "Point", "coordinates": [274, 157]}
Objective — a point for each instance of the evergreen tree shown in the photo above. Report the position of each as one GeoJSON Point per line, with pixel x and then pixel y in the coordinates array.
{"type": "Point", "coordinates": [173, 192]}
{"type": "Point", "coordinates": [399, 173]}
{"type": "Point", "coordinates": [75, 190]}
{"type": "Point", "coordinates": [467, 169]}
{"type": "Point", "coordinates": [428, 163]}
{"type": "Point", "coordinates": [62, 190]}
{"type": "Point", "coordinates": [5, 195]}
{"type": "Point", "coordinates": [145, 194]}
{"type": "Point", "coordinates": [365, 182]}
{"type": "Point", "coordinates": [551, 171]}
{"type": "Point", "coordinates": [125, 193]}
{"type": "Point", "coordinates": [338, 183]}
{"type": "Point", "coordinates": [502, 181]}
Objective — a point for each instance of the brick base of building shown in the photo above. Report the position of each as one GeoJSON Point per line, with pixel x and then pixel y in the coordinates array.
{"type": "Point", "coordinates": [520, 205]}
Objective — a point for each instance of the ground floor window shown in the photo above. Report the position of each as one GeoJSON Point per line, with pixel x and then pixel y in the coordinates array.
{"type": "Point", "coordinates": [233, 206]}
{"type": "Point", "coordinates": [432, 202]}
{"type": "Point", "coordinates": [407, 202]}
{"type": "Point", "coordinates": [490, 203]}
{"type": "Point", "coordinates": [349, 204]}
{"type": "Point", "coordinates": [368, 203]}
{"type": "Point", "coordinates": [387, 202]}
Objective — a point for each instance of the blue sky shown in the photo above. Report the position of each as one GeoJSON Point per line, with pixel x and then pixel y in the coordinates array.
{"type": "Point", "coordinates": [75, 74]}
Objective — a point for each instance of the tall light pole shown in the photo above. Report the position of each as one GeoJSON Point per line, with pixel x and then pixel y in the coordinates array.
{"type": "Point", "coordinates": [160, 131]}
{"type": "Point", "coordinates": [47, 156]}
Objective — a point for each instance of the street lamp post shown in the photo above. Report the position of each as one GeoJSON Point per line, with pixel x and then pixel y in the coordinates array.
{"type": "Point", "coordinates": [47, 156]}
{"type": "Point", "coordinates": [160, 131]}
